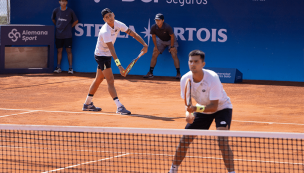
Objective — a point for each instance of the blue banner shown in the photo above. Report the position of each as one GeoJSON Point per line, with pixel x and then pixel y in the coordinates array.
{"type": "Point", "coordinates": [264, 39]}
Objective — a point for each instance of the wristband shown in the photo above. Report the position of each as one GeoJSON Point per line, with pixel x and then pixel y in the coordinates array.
{"type": "Point", "coordinates": [200, 108]}
{"type": "Point", "coordinates": [117, 62]}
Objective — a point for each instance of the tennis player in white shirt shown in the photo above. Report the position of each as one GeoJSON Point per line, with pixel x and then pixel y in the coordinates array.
{"type": "Point", "coordinates": [213, 103]}
{"type": "Point", "coordinates": [103, 54]}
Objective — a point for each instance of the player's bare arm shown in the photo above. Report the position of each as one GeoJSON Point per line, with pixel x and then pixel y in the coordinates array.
{"type": "Point", "coordinates": [54, 21]}
{"type": "Point", "coordinates": [139, 39]}
{"type": "Point", "coordinates": [212, 107]}
{"type": "Point", "coordinates": [75, 23]}
{"type": "Point", "coordinates": [113, 53]}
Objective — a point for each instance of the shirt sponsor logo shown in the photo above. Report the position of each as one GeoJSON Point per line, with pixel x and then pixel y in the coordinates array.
{"type": "Point", "coordinates": [61, 19]}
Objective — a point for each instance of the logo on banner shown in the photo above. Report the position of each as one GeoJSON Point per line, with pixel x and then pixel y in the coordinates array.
{"type": "Point", "coordinates": [146, 1]}
{"type": "Point", "coordinates": [14, 35]}
{"type": "Point", "coordinates": [147, 32]}
{"type": "Point", "coordinates": [183, 34]}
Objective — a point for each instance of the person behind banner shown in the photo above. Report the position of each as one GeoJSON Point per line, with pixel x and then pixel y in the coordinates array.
{"type": "Point", "coordinates": [165, 38]}
{"type": "Point", "coordinates": [212, 103]}
{"type": "Point", "coordinates": [104, 51]}
{"type": "Point", "coordinates": [64, 19]}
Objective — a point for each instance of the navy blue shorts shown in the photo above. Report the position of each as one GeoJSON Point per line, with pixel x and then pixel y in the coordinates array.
{"type": "Point", "coordinates": [103, 62]}
{"type": "Point", "coordinates": [204, 121]}
{"type": "Point", "coordinates": [67, 43]}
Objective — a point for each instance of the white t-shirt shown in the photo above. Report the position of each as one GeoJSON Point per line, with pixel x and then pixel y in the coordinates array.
{"type": "Point", "coordinates": [209, 88]}
{"type": "Point", "coordinates": [108, 34]}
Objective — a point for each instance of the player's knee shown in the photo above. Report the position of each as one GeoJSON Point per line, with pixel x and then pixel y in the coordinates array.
{"type": "Point", "coordinates": [59, 50]}
{"type": "Point", "coordinates": [110, 82]}
{"type": "Point", "coordinates": [69, 50]}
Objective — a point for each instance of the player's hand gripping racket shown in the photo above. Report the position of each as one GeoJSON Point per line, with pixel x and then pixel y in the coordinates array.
{"type": "Point", "coordinates": [188, 102]}
{"type": "Point", "coordinates": [132, 64]}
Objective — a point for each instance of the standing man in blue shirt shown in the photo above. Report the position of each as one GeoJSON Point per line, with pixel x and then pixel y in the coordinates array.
{"type": "Point", "coordinates": [64, 19]}
{"type": "Point", "coordinates": [163, 36]}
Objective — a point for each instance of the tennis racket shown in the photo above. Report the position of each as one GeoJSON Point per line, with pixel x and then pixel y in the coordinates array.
{"type": "Point", "coordinates": [132, 64]}
{"type": "Point", "coordinates": [188, 101]}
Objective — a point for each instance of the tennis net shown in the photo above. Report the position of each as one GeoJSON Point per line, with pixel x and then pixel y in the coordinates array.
{"type": "Point", "coordinates": [31, 148]}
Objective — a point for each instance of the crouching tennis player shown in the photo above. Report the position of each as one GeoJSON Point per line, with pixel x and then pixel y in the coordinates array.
{"type": "Point", "coordinates": [206, 90]}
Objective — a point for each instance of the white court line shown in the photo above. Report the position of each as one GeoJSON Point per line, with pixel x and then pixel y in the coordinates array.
{"type": "Point", "coordinates": [85, 163]}
{"type": "Point", "coordinates": [152, 154]}
{"type": "Point", "coordinates": [18, 113]}
{"type": "Point", "coordinates": [91, 112]}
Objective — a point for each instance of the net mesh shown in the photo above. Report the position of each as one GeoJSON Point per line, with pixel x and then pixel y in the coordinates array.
{"type": "Point", "coordinates": [4, 11]}
{"type": "Point", "coordinates": [143, 150]}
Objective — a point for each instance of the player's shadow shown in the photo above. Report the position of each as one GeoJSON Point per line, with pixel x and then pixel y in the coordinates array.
{"type": "Point", "coordinates": [151, 117]}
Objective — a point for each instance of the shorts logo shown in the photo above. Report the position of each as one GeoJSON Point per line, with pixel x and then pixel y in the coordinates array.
{"type": "Point", "coordinates": [14, 35]}
{"type": "Point", "coordinates": [223, 122]}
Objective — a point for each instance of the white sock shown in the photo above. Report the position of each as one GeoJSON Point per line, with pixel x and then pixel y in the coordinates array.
{"type": "Point", "coordinates": [232, 172]}
{"type": "Point", "coordinates": [174, 169]}
{"type": "Point", "coordinates": [117, 102]}
{"type": "Point", "coordinates": [88, 100]}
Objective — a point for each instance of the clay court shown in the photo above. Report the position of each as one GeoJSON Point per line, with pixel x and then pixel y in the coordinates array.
{"type": "Point", "coordinates": [57, 99]}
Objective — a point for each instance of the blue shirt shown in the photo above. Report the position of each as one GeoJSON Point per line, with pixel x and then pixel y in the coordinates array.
{"type": "Point", "coordinates": [64, 20]}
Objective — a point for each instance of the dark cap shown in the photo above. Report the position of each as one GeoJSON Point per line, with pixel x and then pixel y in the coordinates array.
{"type": "Point", "coordinates": [105, 11]}
{"type": "Point", "coordinates": [159, 16]}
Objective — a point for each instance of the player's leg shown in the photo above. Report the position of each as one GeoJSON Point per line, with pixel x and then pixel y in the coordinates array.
{"type": "Point", "coordinates": [68, 45]}
{"type": "Point", "coordinates": [88, 105]}
{"type": "Point", "coordinates": [201, 121]}
{"type": "Point", "coordinates": [181, 152]}
{"type": "Point", "coordinates": [59, 46]}
{"type": "Point", "coordinates": [223, 121]}
{"type": "Point", "coordinates": [175, 59]}
{"type": "Point", "coordinates": [156, 51]}
{"type": "Point", "coordinates": [111, 88]}
{"type": "Point", "coordinates": [101, 61]}
{"type": "Point", "coordinates": [152, 63]}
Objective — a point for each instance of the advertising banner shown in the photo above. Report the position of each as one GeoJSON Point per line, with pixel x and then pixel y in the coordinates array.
{"type": "Point", "coordinates": [263, 39]}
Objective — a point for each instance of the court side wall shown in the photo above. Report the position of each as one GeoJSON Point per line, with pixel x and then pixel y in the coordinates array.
{"type": "Point", "coordinates": [264, 39]}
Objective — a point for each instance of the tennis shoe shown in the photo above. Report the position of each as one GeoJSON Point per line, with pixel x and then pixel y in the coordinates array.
{"type": "Point", "coordinates": [70, 71]}
{"type": "Point", "coordinates": [148, 75]}
{"type": "Point", "coordinates": [90, 107]}
{"type": "Point", "coordinates": [123, 111]}
{"type": "Point", "coordinates": [57, 70]}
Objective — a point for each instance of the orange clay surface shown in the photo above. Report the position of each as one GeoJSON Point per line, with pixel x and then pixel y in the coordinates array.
{"type": "Point", "coordinates": [57, 99]}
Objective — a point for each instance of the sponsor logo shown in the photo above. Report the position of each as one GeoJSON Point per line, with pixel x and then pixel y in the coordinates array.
{"type": "Point", "coordinates": [224, 75]}
{"type": "Point", "coordinates": [183, 34]}
{"type": "Point", "coordinates": [61, 19]}
{"type": "Point", "coordinates": [175, 2]}
{"type": "Point", "coordinates": [146, 1]}
{"type": "Point", "coordinates": [26, 35]}
{"type": "Point", "coordinates": [14, 35]}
